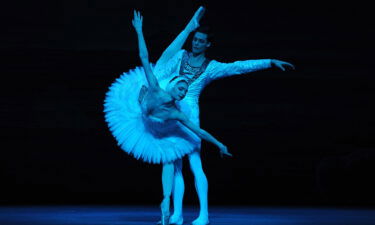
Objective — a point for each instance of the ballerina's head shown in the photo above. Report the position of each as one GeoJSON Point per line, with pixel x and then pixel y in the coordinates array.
{"type": "Point", "coordinates": [178, 87]}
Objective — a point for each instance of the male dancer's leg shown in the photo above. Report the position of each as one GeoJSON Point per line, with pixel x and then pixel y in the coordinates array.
{"type": "Point", "coordinates": [178, 193]}
{"type": "Point", "coordinates": [201, 185]}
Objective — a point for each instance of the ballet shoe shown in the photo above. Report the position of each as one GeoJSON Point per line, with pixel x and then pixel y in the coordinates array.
{"type": "Point", "coordinates": [178, 221]}
{"type": "Point", "coordinates": [164, 206]}
{"type": "Point", "coordinates": [200, 222]}
{"type": "Point", "coordinates": [164, 220]}
{"type": "Point", "coordinates": [171, 222]}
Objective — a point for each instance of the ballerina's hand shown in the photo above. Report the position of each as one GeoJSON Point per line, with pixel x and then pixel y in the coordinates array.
{"type": "Point", "coordinates": [281, 64]}
{"type": "Point", "coordinates": [194, 22]}
{"type": "Point", "coordinates": [137, 21]}
{"type": "Point", "coordinates": [224, 151]}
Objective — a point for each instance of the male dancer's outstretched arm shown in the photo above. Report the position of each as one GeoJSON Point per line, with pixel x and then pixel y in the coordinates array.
{"type": "Point", "coordinates": [170, 58]}
{"type": "Point", "coordinates": [218, 70]}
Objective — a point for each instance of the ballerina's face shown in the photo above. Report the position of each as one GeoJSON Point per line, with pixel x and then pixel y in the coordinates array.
{"type": "Point", "coordinates": [178, 92]}
{"type": "Point", "coordinates": [200, 43]}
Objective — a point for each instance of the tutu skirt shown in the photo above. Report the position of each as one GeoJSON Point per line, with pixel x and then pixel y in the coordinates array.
{"type": "Point", "coordinates": [145, 137]}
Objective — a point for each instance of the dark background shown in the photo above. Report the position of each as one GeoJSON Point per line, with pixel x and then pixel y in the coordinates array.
{"type": "Point", "coordinates": [301, 137]}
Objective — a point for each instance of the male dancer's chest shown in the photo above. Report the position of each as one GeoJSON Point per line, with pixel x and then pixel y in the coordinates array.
{"type": "Point", "coordinates": [194, 70]}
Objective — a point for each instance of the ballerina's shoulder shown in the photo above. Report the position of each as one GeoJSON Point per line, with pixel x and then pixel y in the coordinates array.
{"type": "Point", "coordinates": [158, 103]}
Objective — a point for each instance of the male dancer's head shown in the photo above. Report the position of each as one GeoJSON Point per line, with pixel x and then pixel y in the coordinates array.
{"type": "Point", "coordinates": [202, 40]}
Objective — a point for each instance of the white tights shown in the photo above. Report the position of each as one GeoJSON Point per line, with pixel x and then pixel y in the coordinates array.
{"type": "Point", "coordinates": [201, 185]}
{"type": "Point", "coordinates": [167, 182]}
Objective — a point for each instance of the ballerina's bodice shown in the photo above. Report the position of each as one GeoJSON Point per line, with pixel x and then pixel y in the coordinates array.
{"type": "Point", "coordinates": [155, 110]}
{"type": "Point", "coordinates": [157, 104]}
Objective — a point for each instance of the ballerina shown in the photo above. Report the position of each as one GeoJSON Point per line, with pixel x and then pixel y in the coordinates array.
{"type": "Point", "coordinates": [201, 71]}
{"type": "Point", "coordinates": [149, 125]}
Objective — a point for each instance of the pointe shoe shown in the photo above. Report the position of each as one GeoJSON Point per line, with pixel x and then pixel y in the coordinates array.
{"type": "Point", "coordinates": [180, 221]}
{"type": "Point", "coordinates": [164, 206]}
{"type": "Point", "coordinates": [164, 220]}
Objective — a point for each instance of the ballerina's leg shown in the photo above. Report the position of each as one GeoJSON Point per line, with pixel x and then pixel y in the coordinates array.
{"type": "Point", "coordinates": [178, 193]}
{"type": "Point", "coordinates": [167, 181]}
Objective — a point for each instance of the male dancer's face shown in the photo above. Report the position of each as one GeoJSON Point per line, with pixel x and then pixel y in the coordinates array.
{"type": "Point", "coordinates": [199, 43]}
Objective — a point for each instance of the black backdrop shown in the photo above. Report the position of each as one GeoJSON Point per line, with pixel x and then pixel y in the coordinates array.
{"type": "Point", "coordinates": [298, 137]}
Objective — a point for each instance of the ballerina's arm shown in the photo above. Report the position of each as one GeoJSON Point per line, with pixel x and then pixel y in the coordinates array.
{"type": "Point", "coordinates": [177, 115]}
{"type": "Point", "coordinates": [143, 53]}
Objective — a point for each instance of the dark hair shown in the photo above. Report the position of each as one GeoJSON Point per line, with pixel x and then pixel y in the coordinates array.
{"type": "Point", "coordinates": [174, 78]}
{"type": "Point", "coordinates": [206, 30]}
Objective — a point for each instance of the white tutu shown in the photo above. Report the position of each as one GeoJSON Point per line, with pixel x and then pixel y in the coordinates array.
{"type": "Point", "coordinates": [144, 137]}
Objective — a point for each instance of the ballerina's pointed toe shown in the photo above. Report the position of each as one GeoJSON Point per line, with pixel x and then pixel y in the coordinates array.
{"type": "Point", "coordinates": [180, 222]}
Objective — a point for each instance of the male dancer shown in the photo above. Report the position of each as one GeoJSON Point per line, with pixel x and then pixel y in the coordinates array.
{"type": "Point", "coordinates": [201, 71]}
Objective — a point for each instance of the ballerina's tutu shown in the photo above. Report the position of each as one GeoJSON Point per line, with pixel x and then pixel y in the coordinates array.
{"type": "Point", "coordinates": [145, 137]}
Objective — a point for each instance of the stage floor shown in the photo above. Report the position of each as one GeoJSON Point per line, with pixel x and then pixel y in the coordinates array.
{"type": "Point", "coordinates": [147, 215]}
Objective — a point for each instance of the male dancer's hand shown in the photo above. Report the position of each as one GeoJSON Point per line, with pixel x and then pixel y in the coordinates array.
{"type": "Point", "coordinates": [194, 22]}
{"type": "Point", "coordinates": [281, 64]}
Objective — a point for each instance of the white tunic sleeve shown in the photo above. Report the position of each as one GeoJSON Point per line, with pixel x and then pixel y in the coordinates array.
{"type": "Point", "coordinates": [216, 70]}
{"type": "Point", "coordinates": [168, 68]}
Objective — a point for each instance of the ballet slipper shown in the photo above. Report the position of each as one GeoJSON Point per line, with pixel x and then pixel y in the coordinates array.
{"type": "Point", "coordinates": [199, 221]}
{"type": "Point", "coordinates": [178, 221]}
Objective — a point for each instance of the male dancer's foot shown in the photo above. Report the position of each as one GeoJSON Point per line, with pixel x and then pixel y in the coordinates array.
{"type": "Point", "coordinates": [201, 220]}
{"type": "Point", "coordinates": [176, 220]}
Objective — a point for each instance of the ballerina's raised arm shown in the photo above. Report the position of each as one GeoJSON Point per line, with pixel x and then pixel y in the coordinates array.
{"type": "Point", "coordinates": [143, 53]}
